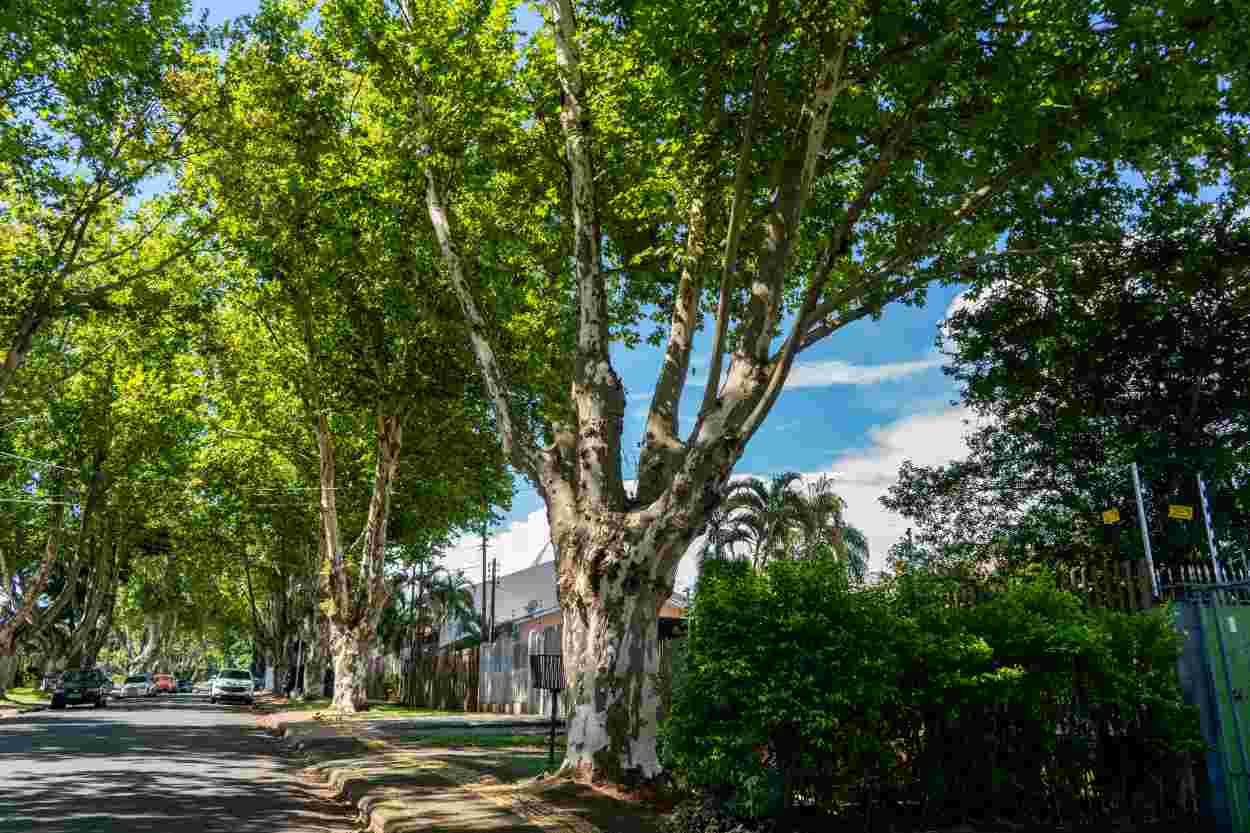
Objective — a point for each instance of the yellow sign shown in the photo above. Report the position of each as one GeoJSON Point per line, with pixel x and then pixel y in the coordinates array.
{"type": "Point", "coordinates": [1111, 516]}
{"type": "Point", "coordinates": [1185, 513]}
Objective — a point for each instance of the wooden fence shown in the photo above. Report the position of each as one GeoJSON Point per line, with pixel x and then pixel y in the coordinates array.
{"type": "Point", "coordinates": [442, 681]}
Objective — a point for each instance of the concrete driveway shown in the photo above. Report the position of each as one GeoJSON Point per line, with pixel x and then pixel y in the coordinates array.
{"type": "Point", "coordinates": [171, 763]}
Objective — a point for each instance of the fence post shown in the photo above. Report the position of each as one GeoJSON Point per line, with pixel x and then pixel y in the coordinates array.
{"type": "Point", "coordinates": [1145, 533]}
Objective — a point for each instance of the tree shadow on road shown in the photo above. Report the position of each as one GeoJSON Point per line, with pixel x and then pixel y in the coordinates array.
{"type": "Point", "coordinates": [64, 774]}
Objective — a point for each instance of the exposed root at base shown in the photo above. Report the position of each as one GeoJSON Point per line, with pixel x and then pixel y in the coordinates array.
{"type": "Point", "coordinates": [649, 792]}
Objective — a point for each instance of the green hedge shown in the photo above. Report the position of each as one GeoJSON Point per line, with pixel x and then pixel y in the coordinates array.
{"type": "Point", "coordinates": [798, 689]}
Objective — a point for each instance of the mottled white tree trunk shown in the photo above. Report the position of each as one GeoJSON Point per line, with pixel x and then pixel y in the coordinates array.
{"type": "Point", "coordinates": [350, 649]}
{"type": "Point", "coordinates": [153, 634]}
{"type": "Point", "coordinates": [318, 640]}
{"type": "Point", "coordinates": [281, 667]}
{"type": "Point", "coordinates": [612, 661]}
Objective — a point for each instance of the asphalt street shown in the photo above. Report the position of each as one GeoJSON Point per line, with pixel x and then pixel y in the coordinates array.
{"type": "Point", "coordinates": [171, 763]}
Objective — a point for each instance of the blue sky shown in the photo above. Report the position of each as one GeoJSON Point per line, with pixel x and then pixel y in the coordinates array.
{"type": "Point", "coordinates": [858, 405]}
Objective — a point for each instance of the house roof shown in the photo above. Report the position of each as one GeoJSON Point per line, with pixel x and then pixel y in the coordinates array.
{"type": "Point", "coordinates": [533, 589]}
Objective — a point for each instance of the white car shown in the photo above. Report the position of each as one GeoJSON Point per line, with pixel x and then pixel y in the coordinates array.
{"type": "Point", "coordinates": [233, 684]}
{"type": "Point", "coordinates": [138, 685]}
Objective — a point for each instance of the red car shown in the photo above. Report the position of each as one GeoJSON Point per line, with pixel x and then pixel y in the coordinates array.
{"type": "Point", "coordinates": [165, 683]}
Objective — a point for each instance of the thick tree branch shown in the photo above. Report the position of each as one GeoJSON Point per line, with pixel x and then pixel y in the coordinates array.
{"type": "Point", "coordinates": [518, 445]}
{"type": "Point", "coordinates": [823, 318]}
{"type": "Point", "coordinates": [25, 614]}
{"type": "Point", "coordinates": [661, 447]}
{"type": "Point", "coordinates": [786, 215]}
{"type": "Point", "coordinates": [390, 441]}
{"type": "Point", "coordinates": [733, 235]}
{"type": "Point", "coordinates": [597, 392]}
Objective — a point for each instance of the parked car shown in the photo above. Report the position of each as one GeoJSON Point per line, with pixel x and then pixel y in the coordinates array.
{"type": "Point", "coordinates": [138, 685]}
{"type": "Point", "coordinates": [185, 686]}
{"type": "Point", "coordinates": [78, 687]}
{"type": "Point", "coordinates": [165, 683]}
{"type": "Point", "coordinates": [233, 684]}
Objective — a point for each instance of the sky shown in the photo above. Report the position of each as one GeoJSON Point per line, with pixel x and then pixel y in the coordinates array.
{"type": "Point", "coordinates": [857, 405]}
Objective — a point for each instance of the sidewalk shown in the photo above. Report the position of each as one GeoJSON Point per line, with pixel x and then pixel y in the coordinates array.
{"type": "Point", "coordinates": [400, 782]}
{"type": "Point", "coordinates": [11, 706]}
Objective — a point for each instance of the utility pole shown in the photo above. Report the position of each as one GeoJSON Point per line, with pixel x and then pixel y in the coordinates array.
{"type": "Point", "coordinates": [494, 591]}
{"type": "Point", "coordinates": [483, 569]}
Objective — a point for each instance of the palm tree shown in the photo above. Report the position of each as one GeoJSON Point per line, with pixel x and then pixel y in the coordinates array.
{"type": "Point", "coordinates": [824, 526]}
{"type": "Point", "coordinates": [766, 516]}
{"type": "Point", "coordinates": [451, 599]}
{"type": "Point", "coordinates": [723, 533]}
{"type": "Point", "coordinates": [855, 547]}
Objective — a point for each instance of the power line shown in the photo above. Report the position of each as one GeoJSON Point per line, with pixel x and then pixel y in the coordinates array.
{"type": "Point", "coordinates": [44, 463]}
{"type": "Point", "coordinates": [38, 501]}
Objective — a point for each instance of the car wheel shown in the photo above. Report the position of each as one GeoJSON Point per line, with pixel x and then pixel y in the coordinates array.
{"type": "Point", "coordinates": [212, 699]}
{"type": "Point", "coordinates": [101, 703]}
{"type": "Point", "coordinates": [56, 706]}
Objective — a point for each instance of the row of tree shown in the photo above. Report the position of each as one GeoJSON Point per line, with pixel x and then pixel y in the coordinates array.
{"type": "Point", "coordinates": [286, 300]}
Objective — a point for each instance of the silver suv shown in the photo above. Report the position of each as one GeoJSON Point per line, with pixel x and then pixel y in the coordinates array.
{"type": "Point", "coordinates": [139, 685]}
{"type": "Point", "coordinates": [233, 684]}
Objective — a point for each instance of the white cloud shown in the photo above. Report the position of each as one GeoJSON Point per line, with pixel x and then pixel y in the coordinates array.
{"type": "Point", "coordinates": [927, 439]}
{"type": "Point", "coordinates": [959, 302]}
{"type": "Point", "coordinates": [836, 372]}
{"type": "Point", "coordinates": [516, 547]}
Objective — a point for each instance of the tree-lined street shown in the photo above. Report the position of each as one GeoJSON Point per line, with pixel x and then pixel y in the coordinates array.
{"type": "Point", "coordinates": [294, 301]}
{"type": "Point", "coordinates": [160, 764]}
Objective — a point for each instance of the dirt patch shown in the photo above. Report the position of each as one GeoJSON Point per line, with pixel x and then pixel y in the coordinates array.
{"type": "Point", "coordinates": [611, 815]}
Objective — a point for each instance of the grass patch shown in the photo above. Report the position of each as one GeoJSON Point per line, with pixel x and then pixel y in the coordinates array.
{"type": "Point", "coordinates": [318, 705]}
{"type": "Point", "coordinates": [26, 696]}
{"type": "Point", "coordinates": [487, 741]}
{"type": "Point", "coordinates": [396, 710]}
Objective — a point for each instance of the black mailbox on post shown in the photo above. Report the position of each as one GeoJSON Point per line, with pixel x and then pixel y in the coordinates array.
{"type": "Point", "coordinates": [547, 674]}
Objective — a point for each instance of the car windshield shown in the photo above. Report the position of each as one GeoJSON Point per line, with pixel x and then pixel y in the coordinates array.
{"type": "Point", "coordinates": [77, 677]}
{"type": "Point", "coordinates": [137, 679]}
{"type": "Point", "coordinates": [163, 677]}
{"type": "Point", "coordinates": [235, 675]}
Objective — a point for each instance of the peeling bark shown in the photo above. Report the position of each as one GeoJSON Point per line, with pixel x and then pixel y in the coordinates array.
{"type": "Point", "coordinates": [612, 659]}
{"type": "Point", "coordinates": [355, 611]}
{"type": "Point", "coordinates": [350, 649]}
{"type": "Point", "coordinates": [315, 659]}
{"type": "Point", "coordinates": [24, 619]}
{"type": "Point", "coordinates": [152, 637]}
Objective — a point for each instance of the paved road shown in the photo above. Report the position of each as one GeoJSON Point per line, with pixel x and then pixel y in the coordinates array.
{"type": "Point", "coordinates": [173, 763]}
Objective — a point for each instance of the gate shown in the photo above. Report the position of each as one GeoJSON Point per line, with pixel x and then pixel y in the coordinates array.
{"type": "Point", "coordinates": [1214, 671]}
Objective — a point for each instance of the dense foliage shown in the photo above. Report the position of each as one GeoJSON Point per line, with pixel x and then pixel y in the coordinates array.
{"type": "Point", "coordinates": [797, 688]}
{"type": "Point", "coordinates": [387, 245]}
{"type": "Point", "coordinates": [1124, 340]}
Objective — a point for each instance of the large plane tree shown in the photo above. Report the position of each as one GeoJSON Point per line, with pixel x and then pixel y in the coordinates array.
{"type": "Point", "coordinates": [775, 171]}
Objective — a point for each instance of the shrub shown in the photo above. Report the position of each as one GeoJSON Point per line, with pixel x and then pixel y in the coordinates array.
{"type": "Point", "coordinates": [779, 696]}
{"type": "Point", "coordinates": [796, 687]}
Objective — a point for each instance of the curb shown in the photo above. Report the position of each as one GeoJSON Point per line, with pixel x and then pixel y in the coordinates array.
{"type": "Point", "coordinates": [387, 809]}
{"type": "Point", "coordinates": [18, 712]}
{"type": "Point", "coordinates": [284, 729]}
